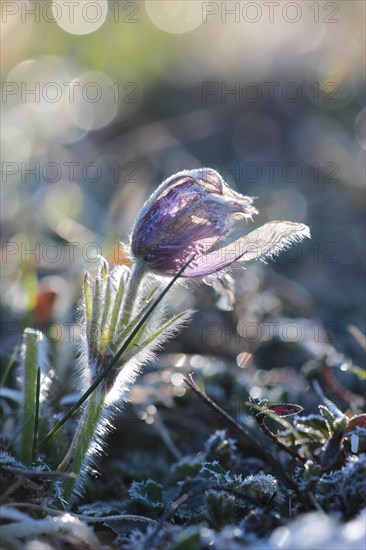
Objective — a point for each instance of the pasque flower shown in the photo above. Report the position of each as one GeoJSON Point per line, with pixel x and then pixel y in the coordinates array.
{"type": "Point", "coordinates": [123, 318]}
{"type": "Point", "coordinates": [196, 212]}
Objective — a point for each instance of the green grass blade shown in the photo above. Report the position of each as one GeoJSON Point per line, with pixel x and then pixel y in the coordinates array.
{"type": "Point", "coordinates": [36, 418]}
{"type": "Point", "coordinates": [117, 356]}
{"type": "Point", "coordinates": [116, 309]}
{"type": "Point", "coordinates": [31, 362]}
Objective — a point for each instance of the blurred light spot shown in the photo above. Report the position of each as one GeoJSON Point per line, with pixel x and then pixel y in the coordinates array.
{"type": "Point", "coordinates": [179, 391]}
{"type": "Point", "coordinates": [93, 100]}
{"type": "Point", "coordinates": [243, 359]}
{"type": "Point", "coordinates": [360, 128]}
{"type": "Point", "coordinates": [142, 415]}
{"type": "Point", "coordinates": [262, 377]}
{"type": "Point", "coordinates": [149, 420]}
{"type": "Point", "coordinates": [256, 392]}
{"type": "Point", "coordinates": [180, 360]}
{"type": "Point", "coordinates": [280, 536]}
{"type": "Point", "coordinates": [176, 16]}
{"type": "Point", "coordinates": [151, 410]}
{"type": "Point", "coordinates": [38, 83]}
{"type": "Point", "coordinates": [38, 545]}
{"type": "Point", "coordinates": [177, 379]}
{"type": "Point", "coordinates": [36, 88]}
{"type": "Point", "coordinates": [354, 530]}
{"type": "Point", "coordinates": [80, 17]}
{"type": "Point", "coordinates": [355, 441]}
{"type": "Point", "coordinates": [197, 361]}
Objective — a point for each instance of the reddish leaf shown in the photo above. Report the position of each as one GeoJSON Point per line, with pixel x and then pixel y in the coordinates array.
{"type": "Point", "coordinates": [355, 421]}
{"type": "Point", "coordinates": [285, 409]}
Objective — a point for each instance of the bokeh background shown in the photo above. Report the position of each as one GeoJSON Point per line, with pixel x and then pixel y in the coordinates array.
{"type": "Point", "coordinates": [103, 102]}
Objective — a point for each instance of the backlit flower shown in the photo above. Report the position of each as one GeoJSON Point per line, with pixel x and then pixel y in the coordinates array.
{"type": "Point", "coordinates": [196, 212]}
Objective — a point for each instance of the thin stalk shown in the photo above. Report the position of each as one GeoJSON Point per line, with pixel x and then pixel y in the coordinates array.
{"type": "Point", "coordinates": [36, 474]}
{"type": "Point", "coordinates": [86, 519]}
{"type": "Point", "coordinates": [267, 413]}
{"type": "Point", "coordinates": [260, 418]}
{"type": "Point", "coordinates": [267, 455]}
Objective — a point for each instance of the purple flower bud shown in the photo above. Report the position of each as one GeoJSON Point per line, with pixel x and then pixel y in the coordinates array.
{"type": "Point", "coordinates": [196, 212]}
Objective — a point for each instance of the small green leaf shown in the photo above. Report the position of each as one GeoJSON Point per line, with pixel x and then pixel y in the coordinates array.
{"type": "Point", "coordinates": [88, 297]}
{"type": "Point", "coordinates": [329, 418]}
{"type": "Point", "coordinates": [105, 329]}
{"type": "Point", "coordinates": [147, 492]}
{"type": "Point", "coordinates": [116, 309]}
{"type": "Point", "coordinates": [219, 508]}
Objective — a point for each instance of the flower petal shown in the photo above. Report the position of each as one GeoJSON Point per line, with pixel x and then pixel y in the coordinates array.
{"type": "Point", "coordinates": [187, 214]}
{"type": "Point", "coordinates": [266, 241]}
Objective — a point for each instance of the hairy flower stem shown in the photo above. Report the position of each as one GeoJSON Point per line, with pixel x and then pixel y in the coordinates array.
{"type": "Point", "coordinates": [103, 364]}
{"type": "Point", "coordinates": [81, 442]}
{"type": "Point", "coordinates": [76, 459]}
{"type": "Point", "coordinates": [137, 273]}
